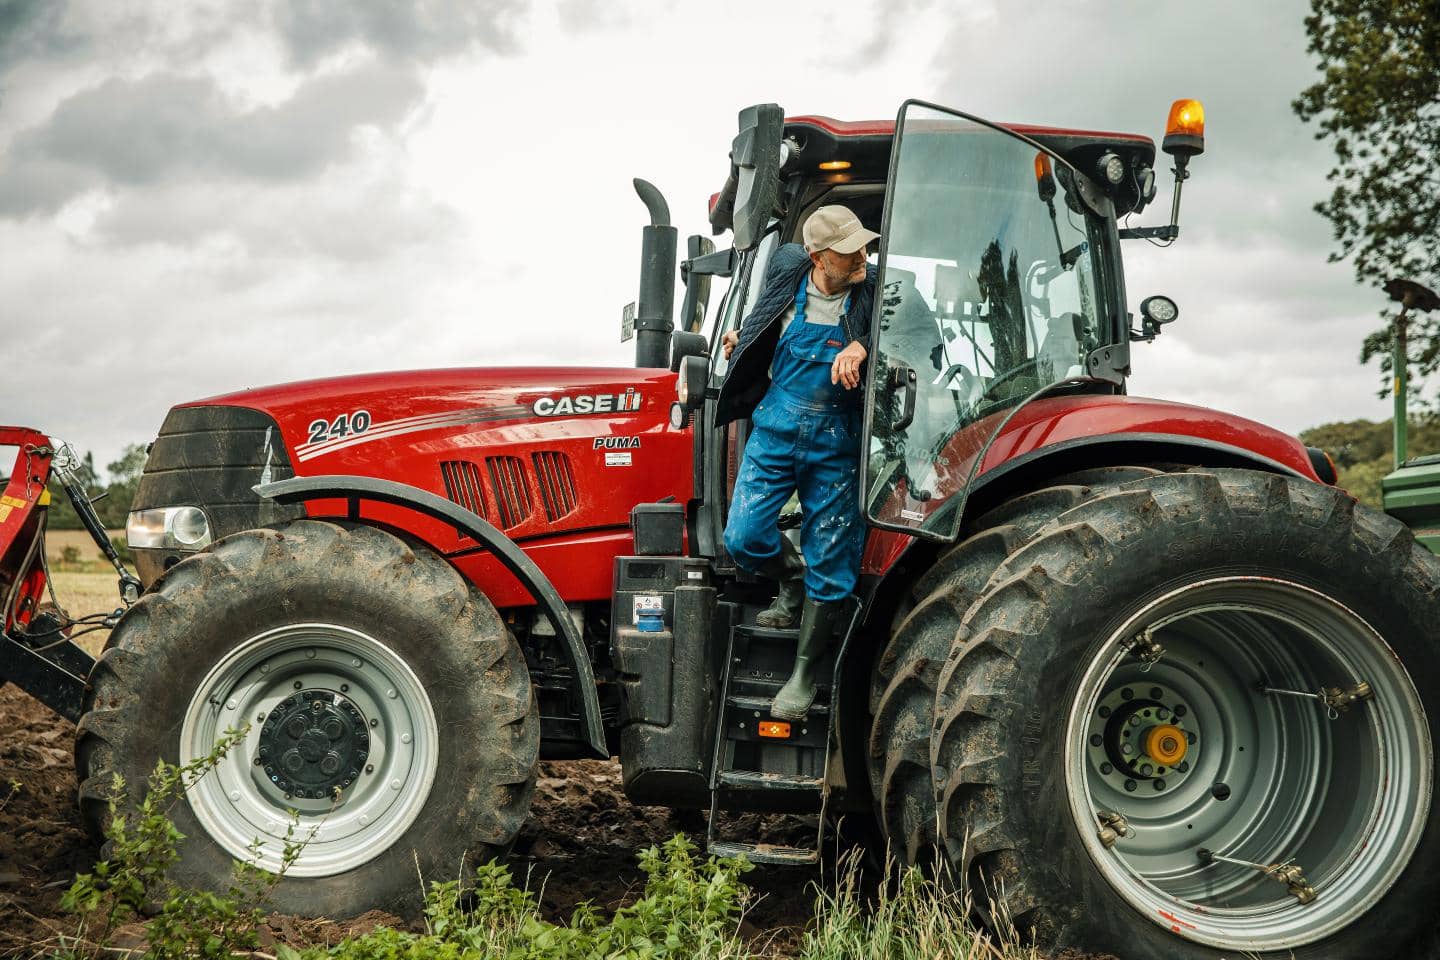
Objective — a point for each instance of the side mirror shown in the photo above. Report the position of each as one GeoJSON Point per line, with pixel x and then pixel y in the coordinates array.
{"type": "Point", "coordinates": [697, 283]}
{"type": "Point", "coordinates": [694, 380]}
{"type": "Point", "coordinates": [755, 155]}
{"type": "Point", "coordinates": [684, 345]}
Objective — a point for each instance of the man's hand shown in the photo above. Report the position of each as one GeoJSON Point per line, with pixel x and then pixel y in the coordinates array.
{"type": "Point", "coordinates": [846, 368]}
{"type": "Point", "coordinates": [728, 342]}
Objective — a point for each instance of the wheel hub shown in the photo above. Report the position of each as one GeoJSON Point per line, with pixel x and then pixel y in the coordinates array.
{"type": "Point", "coordinates": [313, 744]}
{"type": "Point", "coordinates": [1142, 732]}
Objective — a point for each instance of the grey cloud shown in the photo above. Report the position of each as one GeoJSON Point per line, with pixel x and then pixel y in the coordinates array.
{"type": "Point", "coordinates": [30, 28]}
{"type": "Point", "coordinates": [351, 222]}
{"type": "Point", "coordinates": [166, 127]}
{"type": "Point", "coordinates": [421, 30]}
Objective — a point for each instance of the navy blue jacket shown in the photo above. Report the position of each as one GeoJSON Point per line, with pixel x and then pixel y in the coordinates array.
{"type": "Point", "coordinates": [749, 374]}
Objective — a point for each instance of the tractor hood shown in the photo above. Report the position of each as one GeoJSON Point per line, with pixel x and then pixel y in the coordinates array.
{"type": "Point", "coordinates": [554, 456]}
{"type": "Point", "coordinates": [413, 410]}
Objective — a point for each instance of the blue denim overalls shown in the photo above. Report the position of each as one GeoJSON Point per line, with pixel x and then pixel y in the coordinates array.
{"type": "Point", "coordinates": [805, 438]}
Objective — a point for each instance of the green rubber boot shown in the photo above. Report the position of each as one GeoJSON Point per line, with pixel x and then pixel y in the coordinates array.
{"type": "Point", "coordinates": [817, 623]}
{"type": "Point", "coordinates": [789, 570]}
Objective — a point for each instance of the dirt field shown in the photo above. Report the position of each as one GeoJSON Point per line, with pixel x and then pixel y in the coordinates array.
{"type": "Point", "coordinates": [580, 842]}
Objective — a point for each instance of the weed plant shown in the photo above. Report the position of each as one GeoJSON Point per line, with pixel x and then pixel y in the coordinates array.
{"type": "Point", "coordinates": [691, 908]}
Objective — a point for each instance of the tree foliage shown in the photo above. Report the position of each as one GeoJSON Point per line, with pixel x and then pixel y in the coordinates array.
{"type": "Point", "coordinates": [1378, 102]}
{"type": "Point", "coordinates": [115, 497]}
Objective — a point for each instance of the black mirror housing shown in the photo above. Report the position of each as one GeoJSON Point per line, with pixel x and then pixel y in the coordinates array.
{"type": "Point", "coordinates": [694, 380]}
{"type": "Point", "coordinates": [755, 156]}
{"type": "Point", "coordinates": [683, 344]}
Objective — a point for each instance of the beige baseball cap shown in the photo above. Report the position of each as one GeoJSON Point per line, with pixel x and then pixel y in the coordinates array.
{"type": "Point", "coordinates": [834, 227]}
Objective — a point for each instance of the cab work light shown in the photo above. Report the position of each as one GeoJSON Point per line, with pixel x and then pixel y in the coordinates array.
{"type": "Point", "coordinates": [835, 165]}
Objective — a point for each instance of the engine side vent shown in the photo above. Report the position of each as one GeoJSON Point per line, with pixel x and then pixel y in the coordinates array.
{"type": "Point", "coordinates": [557, 483]}
{"type": "Point", "coordinates": [512, 495]}
{"type": "Point", "coordinates": [463, 485]}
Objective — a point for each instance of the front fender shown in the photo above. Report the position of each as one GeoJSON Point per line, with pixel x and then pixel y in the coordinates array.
{"type": "Point", "coordinates": [354, 489]}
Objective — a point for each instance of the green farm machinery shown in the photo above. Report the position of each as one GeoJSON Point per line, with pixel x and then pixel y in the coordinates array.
{"type": "Point", "coordinates": [1412, 492]}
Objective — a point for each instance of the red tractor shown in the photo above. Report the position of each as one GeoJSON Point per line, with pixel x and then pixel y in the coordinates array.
{"type": "Point", "coordinates": [1134, 671]}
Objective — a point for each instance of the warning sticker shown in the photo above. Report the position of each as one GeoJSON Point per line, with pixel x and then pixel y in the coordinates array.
{"type": "Point", "coordinates": [617, 458]}
{"type": "Point", "coordinates": [915, 515]}
{"type": "Point", "coordinates": [647, 603]}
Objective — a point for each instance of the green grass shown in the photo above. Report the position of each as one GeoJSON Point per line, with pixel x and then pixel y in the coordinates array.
{"type": "Point", "coordinates": [692, 907]}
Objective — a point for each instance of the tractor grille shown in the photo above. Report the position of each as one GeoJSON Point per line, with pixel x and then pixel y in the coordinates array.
{"type": "Point", "coordinates": [463, 485]}
{"type": "Point", "coordinates": [557, 483]}
{"type": "Point", "coordinates": [512, 495]}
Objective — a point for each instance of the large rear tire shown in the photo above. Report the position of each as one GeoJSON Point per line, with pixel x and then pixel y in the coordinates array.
{"type": "Point", "coordinates": [1057, 711]}
{"type": "Point", "coordinates": [902, 688]}
{"type": "Point", "coordinates": [387, 703]}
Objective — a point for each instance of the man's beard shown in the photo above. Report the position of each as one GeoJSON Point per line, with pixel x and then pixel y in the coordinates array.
{"type": "Point", "coordinates": [843, 278]}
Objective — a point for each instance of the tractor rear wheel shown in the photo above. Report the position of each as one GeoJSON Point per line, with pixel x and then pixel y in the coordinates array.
{"type": "Point", "coordinates": [902, 688]}
{"type": "Point", "coordinates": [1194, 717]}
{"type": "Point", "coordinates": [386, 703]}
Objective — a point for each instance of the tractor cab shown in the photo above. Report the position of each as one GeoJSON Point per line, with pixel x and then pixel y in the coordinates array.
{"type": "Point", "coordinates": [1000, 271]}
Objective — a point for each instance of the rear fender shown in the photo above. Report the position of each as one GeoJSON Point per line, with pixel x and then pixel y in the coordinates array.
{"type": "Point", "coordinates": [356, 489]}
{"type": "Point", "coordinates": [892, 559]}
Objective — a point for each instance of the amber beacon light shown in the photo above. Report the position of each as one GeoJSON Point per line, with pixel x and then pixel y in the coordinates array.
{"type": "Point", "coordinates": [1185, 129]}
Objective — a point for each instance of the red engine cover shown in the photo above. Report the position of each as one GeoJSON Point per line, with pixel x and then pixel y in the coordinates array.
{"type": "Point", "coordinates": [555, 457]}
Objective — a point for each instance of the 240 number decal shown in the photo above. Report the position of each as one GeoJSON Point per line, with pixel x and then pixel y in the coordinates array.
{"type": "Point", "coordinates": [344, 425]}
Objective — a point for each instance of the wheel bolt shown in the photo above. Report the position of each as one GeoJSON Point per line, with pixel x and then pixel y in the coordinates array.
{"type": "Point", "coordinates": [1180, 710]}
{"type": "Point", "coordinates": [1104, 711]}
{"type": "Point", "coordinates": [344, 688]}
{"type": "Point", "coordinates": [369, 768]}
{"type": "Point", "coordinates": [1184, 766]}
{"type": "Point", "coordinates": [1190, 737]}
{"type": "Point", "coordinates": [1106, 769]}
{"type": "Point", "coordinates": [1134, 721]}
{"type": "Point", "coordinates": [1163, 714]}
{"type": "Point", "coordinates": [1146, 769]}
{"type": "Point", "coordinates": [1127, 694]}
{"type": "Point", "coordinates": [1126, 749]}
{"type": "Point", "coordinates": [1130, 785]}
{"type": "Point", "coordinates": [1156, 693]}
{"type": "Point", "coordinates": [1159, 784]}
{"type": "Point", "coordinates": [1095, 740]}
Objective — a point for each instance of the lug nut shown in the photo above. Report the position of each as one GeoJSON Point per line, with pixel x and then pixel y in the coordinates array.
{"type": "Point", "coordinates": [1130, 785]}
{"type": "Point", "coordinates": [1104, 711]}
{"type": "Point", "coordinates": [1156, 693]}
{"type": "Point", "coordinates": [1127, 694]}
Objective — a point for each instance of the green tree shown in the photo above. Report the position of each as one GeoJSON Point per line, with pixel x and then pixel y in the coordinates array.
{"type": "Point", "coordinates": [1379, 103]}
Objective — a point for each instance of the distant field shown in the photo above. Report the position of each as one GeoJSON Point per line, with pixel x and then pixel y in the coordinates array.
{"type": "Point", "coordinates": [83, 587]}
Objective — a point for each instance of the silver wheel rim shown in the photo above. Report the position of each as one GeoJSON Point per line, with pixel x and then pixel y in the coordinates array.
{"type": "Point", "coordinates": [352, 675]}
{"type": "Point", "coordinates": [1270, 777]}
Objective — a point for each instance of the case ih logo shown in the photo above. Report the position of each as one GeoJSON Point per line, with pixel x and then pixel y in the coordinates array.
{"type": "Point", "coordinates": [588, 403]}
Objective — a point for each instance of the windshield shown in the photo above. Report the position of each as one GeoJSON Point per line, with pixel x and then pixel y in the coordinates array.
{"type": "Point", "coordinates": [989, 294]}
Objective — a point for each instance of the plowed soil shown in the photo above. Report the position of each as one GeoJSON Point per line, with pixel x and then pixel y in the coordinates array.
{"type": "Point", "coordinates": [579, 844]}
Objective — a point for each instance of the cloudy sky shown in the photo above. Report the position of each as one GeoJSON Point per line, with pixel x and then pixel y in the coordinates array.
{"type": "Point", "coordinates": [202, 196]}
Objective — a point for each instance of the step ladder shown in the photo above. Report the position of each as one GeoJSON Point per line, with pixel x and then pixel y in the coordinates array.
{"type": "Point", "coordinates": [757, 766]}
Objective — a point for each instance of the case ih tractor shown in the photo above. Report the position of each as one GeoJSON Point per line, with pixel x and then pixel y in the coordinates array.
{"type": "Point", "coordinates": [1135, 672]}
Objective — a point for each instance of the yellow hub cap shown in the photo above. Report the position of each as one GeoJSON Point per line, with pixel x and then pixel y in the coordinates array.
{"type": "Point", "coordinates": [1165, 744]}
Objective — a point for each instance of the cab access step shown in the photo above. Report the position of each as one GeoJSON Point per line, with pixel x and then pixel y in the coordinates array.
{"type": "Point", "coordinates": [762, 763]}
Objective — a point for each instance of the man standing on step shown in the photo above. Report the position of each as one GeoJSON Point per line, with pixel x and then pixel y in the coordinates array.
{"type": "Point", "coordinates": [796, 372]}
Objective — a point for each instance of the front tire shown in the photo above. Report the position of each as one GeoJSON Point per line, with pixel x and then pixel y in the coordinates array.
{"type": "Point", "coordinates": [386, 702]}
{"type": "Point", "coordinates": [1051, 717]}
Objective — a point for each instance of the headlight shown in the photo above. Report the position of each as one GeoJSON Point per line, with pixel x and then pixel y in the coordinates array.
{"type": "Point", "coordinates": [175, 528]}
{"type": "Point", "coordinates": [682, 388]}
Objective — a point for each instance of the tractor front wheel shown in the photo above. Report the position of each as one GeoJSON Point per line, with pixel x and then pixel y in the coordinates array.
{"type": "Point", "coordinates": [1193, 717]}
{"type": "Point", "coordinates": [384, 703]}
